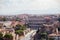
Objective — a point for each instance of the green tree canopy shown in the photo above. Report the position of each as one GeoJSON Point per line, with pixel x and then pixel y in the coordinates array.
{"type": "Point", "coordinates": [19, 32]}
{"type": "Point", "coordinates": [4, 19]}
{"type": "Point", "coordinates": [1, 35]}
{"type": "Point", "coordinates": [8, 36]}
{"type": "Point", "coordinates": [20, 27]}
{"type": "Point", "coordinates": [59, 19]}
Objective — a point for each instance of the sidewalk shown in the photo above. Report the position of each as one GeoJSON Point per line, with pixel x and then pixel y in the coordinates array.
{"type": "Point", "coordinates": [31, 32]}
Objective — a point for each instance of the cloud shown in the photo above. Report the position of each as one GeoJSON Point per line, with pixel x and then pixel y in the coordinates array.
{"type": "Point", "coordinates": [12, 6]}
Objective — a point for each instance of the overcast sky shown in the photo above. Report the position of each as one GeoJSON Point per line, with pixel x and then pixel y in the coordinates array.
{"type": "Point", "coordinates": [12, 7]}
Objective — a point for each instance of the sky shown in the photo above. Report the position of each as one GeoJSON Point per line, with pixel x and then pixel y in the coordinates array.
{"type": "Point", "coordinates": [13, 7]}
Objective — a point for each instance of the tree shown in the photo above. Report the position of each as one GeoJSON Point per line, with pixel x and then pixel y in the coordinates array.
{"type": "Point", "coordinates": [8, 37]}
{"type": "Point", "coordinates": [18, 19]}
{"type": "Point", "coordinates": [4, 19]}
{"type": "Point", "coordinates": [1, 36]}
{"type": "Point", "coordinates": [41, 34]}
{"type": "Point", "coordinates": [59, 24]}
{"type": "Point", "coordinates": [20, 27]}
{"type": "Point", "coordinates": [59, 19]}
{"type": "Point", "coordinates": [23, 27]}
{"type": "Point", "coordinates": [17, 28]}
{"type": "Point", "coordinates": [19, 32]}
{"type": "Point", "coordinates": [51, 38]}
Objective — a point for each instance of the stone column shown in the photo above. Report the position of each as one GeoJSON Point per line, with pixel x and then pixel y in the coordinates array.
{"type": "Point", "coordinates": [17, 37]}
{"type": "Point", "coordinates": [24, 33]}
{"type": "Point", "coordinates": [13, 35]}
{"type": "Point", "coordinates": [56, 30]}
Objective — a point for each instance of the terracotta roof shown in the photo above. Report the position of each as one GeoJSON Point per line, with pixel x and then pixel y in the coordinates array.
{"type": "Point", "coordinates": [47, 18]}
{"type": "Point", "coordinates": [52, 35]}
{"type": "Point", "coordinates": [14, 23]}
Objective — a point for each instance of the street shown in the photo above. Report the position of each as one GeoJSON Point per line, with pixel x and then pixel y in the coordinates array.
{"type": "Point", "coordinates": [29, 35]}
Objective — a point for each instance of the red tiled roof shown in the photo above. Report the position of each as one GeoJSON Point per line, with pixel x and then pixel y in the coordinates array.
{"type": "Point", "coordinates": [14, 23]}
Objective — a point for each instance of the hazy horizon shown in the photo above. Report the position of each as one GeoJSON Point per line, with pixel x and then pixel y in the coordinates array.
{"type": "Point", "coordinates": [14, 7]}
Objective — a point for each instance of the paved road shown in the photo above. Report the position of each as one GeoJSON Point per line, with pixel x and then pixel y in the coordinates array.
{"type": "Point", "coordinates": [29, 35]}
